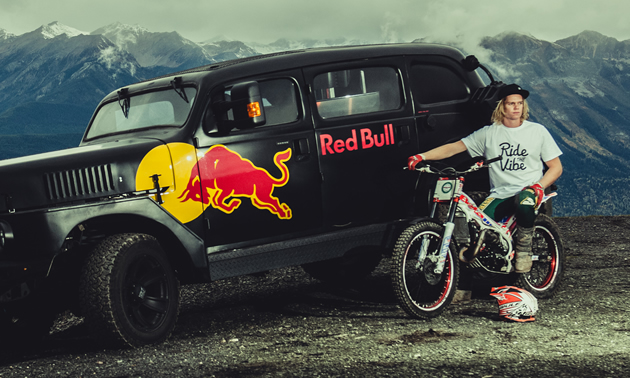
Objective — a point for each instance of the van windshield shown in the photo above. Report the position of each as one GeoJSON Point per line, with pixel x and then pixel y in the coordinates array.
{"type": "Point", "coordinates": [166, 108]}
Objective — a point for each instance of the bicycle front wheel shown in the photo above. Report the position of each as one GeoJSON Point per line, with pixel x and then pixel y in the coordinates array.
{"type": "Point", "coordinates": [420, 291]}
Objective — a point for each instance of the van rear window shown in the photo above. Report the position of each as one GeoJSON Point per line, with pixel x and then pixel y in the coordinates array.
{"type": "Point", "coordinates": [357, 91]}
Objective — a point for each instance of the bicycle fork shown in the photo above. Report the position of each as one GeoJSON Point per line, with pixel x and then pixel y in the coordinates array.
{"type": "Point", "coordinates": [446, 242]}
{"type": "Point", "coordinates": [444, 247]}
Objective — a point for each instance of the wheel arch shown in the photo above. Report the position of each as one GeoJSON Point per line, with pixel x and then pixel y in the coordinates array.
{"type": "Point", "coordinates": [176, 251]}
{"type": "Point", "coordinates": [83, 227]}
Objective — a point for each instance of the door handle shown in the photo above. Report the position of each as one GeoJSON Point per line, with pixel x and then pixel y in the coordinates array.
{"type": "Point", "coordinates": [302, 149]}
{"type": "Point", "coordinates": [403, 135]}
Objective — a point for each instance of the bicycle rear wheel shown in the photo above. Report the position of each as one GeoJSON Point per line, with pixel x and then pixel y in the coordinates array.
{"type": "Point", "coordinates": [420, 291]}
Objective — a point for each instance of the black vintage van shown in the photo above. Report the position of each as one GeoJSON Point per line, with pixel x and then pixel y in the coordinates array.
{"type": "Point", "coordinates": [234, 168]}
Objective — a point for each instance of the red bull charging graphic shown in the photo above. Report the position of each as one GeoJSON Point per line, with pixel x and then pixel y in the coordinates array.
{"type": "Point", "coordinates": [221, 176]}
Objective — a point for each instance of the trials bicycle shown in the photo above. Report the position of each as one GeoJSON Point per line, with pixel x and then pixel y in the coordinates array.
{"type": "Point", "coordinates": [426, 258]}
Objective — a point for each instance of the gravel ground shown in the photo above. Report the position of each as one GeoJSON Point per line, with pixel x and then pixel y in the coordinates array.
{"type": "Point", "coordinates": [285, 324]}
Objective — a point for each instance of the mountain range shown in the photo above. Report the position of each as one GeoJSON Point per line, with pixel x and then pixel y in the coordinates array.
{"type": "Point", "coordinates": [52, 78]}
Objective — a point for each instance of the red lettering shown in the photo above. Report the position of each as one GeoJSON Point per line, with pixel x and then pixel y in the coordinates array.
{"type": "Point", "coordinates": [381, 142]}
{"type": "Point", "coordinates": [366, 138]}
{"type": "Point", "coordinates": [339, 146]}
{"type": "Point", "coordinates": [326, 140]}
{"type": "Point", "coordinates": [351, 143]}
{"type": "Point", "coordinates": [391, 133]}
{"type": "Point", "coordinates": [369, 139]}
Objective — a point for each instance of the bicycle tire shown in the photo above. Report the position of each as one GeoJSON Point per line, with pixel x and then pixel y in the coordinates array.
{"type": "Point", "coordinates": [419, 291]}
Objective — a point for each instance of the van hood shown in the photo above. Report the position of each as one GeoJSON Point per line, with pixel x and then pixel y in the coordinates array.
{"type": "Point", "coordinates": [72, 175]}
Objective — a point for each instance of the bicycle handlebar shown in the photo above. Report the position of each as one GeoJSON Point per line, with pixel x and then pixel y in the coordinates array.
{"type": "Point", "coordinates": [450, 171]}
{"type": "Point", "coordinates": [498, 158]}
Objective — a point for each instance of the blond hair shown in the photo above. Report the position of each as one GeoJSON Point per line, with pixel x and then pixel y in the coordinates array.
{"type": "Point", "coordinates": [499, 112]}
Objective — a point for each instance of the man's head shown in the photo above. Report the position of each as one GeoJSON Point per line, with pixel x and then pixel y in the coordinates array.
{"type": "Point", "coordinates": [512, 104]}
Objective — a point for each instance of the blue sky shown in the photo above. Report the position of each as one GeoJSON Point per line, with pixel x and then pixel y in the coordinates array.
{"type": "Point", "coordinates": [369, 20]}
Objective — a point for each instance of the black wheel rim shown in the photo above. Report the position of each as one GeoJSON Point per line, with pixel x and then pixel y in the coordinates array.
{"type": "Point", "coordinates": [146, 296]}
{"type": "Point", "coordinates": [426, 289]}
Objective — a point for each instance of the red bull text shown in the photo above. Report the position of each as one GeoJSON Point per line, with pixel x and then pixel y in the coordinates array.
{"type": "Point", "coordinates": [368, 140]}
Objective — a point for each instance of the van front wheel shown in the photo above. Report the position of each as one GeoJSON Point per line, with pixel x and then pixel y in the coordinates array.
{"type": "Point", "coordinates": [129, 292]}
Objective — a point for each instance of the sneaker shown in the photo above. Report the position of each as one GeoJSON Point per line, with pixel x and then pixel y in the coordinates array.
{"type": "Point", "coordinates": [523, 263]}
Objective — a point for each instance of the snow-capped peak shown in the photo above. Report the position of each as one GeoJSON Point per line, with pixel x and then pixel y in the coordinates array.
{"type": "Point", "coordinates": [218, 38]}
{"type": "Point", "coordinates": [118, 28]}
{"type": "Point", "coordinates": [5, 34]}
{"type": "Point", "coordinates": [55, 29]}
{"type": "Point", "coordinates": [121, 34]}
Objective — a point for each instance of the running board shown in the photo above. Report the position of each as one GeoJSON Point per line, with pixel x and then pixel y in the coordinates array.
{"type": "Point", "coordinates": [240, 261]}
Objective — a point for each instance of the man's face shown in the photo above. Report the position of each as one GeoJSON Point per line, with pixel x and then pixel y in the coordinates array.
{"type": "Point", "coordinates": [513, 107]}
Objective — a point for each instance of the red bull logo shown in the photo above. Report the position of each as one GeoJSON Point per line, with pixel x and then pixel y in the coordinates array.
{"type": "Point", "coordinates": [369, 139]}
{"type": "Point", "coordinates": [221, 175]}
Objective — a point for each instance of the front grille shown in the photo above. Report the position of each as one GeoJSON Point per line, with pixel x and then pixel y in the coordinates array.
{"type": "Point", "coordinates": [77, 183]}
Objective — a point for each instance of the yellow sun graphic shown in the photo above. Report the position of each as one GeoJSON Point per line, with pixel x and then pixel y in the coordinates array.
{"type": "Point", "coordinates": [174, 174]}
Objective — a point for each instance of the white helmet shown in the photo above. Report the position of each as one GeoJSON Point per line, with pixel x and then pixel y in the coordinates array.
{"type": "Point", "coordinates": [515, 304]}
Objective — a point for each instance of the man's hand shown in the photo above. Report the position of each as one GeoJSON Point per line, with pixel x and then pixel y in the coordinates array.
{"type": "Point", "coordinates": [538, 190]}
{"type": "Point", "coordinates": [412, 161]}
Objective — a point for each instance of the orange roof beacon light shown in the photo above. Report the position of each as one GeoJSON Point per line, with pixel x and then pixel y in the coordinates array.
{"type": "Point", "coordinates": [253, 109]}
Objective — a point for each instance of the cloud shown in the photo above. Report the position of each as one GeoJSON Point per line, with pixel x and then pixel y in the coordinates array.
{"type": "Point", "coordinates": [368, 20]}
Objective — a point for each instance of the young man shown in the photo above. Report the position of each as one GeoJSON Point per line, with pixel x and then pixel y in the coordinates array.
{"type": "Point", "coordinates": [517, 182]}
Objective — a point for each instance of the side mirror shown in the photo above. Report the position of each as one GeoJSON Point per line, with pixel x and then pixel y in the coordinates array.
{"type": "Point", "coordinates": [245, 103]}
{"type": "Point", "coordinates": [485, 100]}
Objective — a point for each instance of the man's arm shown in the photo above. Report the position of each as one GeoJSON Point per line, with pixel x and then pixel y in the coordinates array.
{"type": "Point", "coordinates": [552, 174]}
{"type": "Point", "coordinates": [438, 153]}
{"type": "Point", "coordinates": [445, 151]}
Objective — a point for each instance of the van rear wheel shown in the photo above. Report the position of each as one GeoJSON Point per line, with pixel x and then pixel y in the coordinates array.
{"type": "Point", "coordinates": [352, 267]}
{"type": "Point", "coordinates": [129, 292]}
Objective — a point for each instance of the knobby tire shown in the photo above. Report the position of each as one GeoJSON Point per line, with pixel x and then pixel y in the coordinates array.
{"type": "Point", "coordinates": [129, 293]}
{"type": "Point", "coordinates": [419, 291]}
{"type": "Point", "coordinates": [548, 266]}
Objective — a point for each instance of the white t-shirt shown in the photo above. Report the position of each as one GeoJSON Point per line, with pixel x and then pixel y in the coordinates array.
{"type": "Point", "coordinates": [523, 150]}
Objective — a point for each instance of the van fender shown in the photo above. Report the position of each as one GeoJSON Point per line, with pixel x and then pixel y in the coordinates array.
{"type": "Point", "coordinates": [134, 214]}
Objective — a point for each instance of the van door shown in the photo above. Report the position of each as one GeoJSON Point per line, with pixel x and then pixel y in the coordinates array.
{"type": "Point", "coordinates": [441, 91]}
{"type": "Point", "coordinates": [363, 127]}
{"type": "Point", "coordinates": [261, 182]}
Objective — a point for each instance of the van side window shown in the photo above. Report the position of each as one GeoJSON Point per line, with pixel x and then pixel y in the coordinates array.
{"type": "Point", "coordinates": [279, 97]}
{"type": "Point", "coordinates": [432, 83]}
{"type": "Point", "coordinates": [357, 91]}
{"type": "Point", "coordinates": [279, 101]}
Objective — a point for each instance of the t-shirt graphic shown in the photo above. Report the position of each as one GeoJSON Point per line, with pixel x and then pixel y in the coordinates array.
{"type": "Point", "coordinates": [522, 149]}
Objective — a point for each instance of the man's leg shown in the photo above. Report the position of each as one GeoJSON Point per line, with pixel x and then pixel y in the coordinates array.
{"type": "Point", "coordinates": [525, 217]}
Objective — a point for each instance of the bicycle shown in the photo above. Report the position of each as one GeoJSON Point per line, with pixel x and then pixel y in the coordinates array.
{"type": "Point", "coordinates": [425, 260]}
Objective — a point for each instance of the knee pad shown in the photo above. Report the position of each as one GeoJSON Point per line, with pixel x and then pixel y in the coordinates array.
{"type": "Point", "coordinates": [525, 208]}
{"type": "Point", "coordinates": [525, 199]}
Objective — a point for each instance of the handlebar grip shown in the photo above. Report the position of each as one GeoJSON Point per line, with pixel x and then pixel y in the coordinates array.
{"type": "Point", "coordinates": [494, 159]}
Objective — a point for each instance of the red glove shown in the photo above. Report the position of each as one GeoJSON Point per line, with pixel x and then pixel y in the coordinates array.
{"type": "Point", "coordinates": [538, 190]}
{"type": "Point", "coordinates": [412, 161]}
